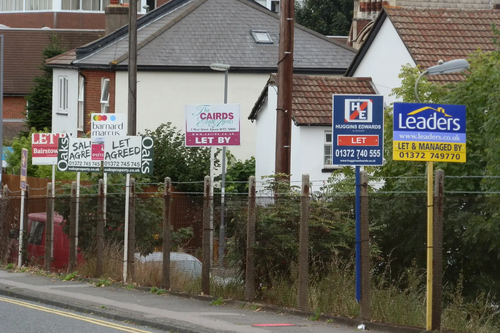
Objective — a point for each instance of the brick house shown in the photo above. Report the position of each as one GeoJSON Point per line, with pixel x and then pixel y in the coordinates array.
{"type": "Point", "coordinates": [421, 37]}
{"type": "Point", "coordinates": [366, 11]}
{"type": "Point", "coordinates": [22, 59]}
{"type": "Point", "coordinates": [177, 43]}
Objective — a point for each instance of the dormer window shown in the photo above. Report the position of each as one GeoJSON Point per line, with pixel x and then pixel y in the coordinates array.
{"type": "Point", "coordinates": [261, 36]}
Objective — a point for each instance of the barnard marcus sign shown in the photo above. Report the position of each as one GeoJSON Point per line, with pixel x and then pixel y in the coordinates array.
{"type": "Point", "coordinates": [429, 132]}
{"type": "Point", "coordinates": [358, 130]}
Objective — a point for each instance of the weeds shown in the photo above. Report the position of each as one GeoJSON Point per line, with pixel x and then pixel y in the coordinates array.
{"type": "Point", "coordinates": [9, 266]}
{"type": "Point", "coordinates": [103, 283]}
{"type": "Point", "coordinates": [158, 291]}
{"type": "Point", "coordinates": [316, 316]}
{"type": "Point", "coordinates": [218, 302]}
{"type": "Point", "coordinates": [70, 276]}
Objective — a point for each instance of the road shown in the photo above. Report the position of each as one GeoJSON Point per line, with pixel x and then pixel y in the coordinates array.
{"type": "Point", "coordinates": [25, 317]}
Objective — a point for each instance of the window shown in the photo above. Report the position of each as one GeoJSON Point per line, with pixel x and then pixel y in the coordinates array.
{"type": "Point", "coordinates": [104, 95]}
{"type": "Point", "coordinates": [95, 5]}
{"type": "Point", "coordinates": [81, 103]}
{"type": "Point", "coordinates": [11, 5]}
{"type": "Point", "coordinates": [327, 159]}
{"type": "Point", "coordinates": [63, 94]}
{"type": "Point", "coordinates": [261, 36]}
{"type": "Point", "coordinates": [36, 232]}
{"type": "Point", "coordinates": [275, 6]}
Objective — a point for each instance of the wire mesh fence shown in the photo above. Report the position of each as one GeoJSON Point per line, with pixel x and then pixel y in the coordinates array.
{"type": "Point", "coordinates": [398, 243]}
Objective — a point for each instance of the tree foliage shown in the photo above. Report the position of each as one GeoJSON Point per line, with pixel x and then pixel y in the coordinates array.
{"type": "Point", "coordinates": [471, 217]}
{"type": "Point", "coordinates": [39, 108]}
{"type": "Point", "coordinates": [328, 17]}
{"type": "Point", "coordinates": [173, 159]}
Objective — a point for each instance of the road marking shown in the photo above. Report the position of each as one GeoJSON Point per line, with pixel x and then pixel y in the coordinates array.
{"type": "Point", "coordinates": [74, 316]}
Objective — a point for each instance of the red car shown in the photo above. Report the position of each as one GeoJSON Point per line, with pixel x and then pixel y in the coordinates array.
{"type": "Point", "coordinates": [36, 241]}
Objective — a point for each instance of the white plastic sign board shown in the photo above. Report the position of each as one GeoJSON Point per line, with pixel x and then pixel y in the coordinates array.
{"type": "Point", "coordinates": [212, 125]}
{"type": "Point", "coordinates": [74, 154]}
{"type": "Point", "coordinates": [103, 125]}
{"type": "Point", "coordinates": [128, 154]}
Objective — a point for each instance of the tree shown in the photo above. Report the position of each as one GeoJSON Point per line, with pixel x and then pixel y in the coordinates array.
{"type": "Point", "coordinates": [173, 159]}
{"type": "Point", "coordinates": [471, 220]}
{"type": "Point", "coordinates": [328, 17]}
{"type": "Point", "coordinates": [39, 108]}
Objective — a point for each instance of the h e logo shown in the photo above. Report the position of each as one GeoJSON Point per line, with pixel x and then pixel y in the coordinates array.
{"type": "Point", "coordinates": [358, 111]}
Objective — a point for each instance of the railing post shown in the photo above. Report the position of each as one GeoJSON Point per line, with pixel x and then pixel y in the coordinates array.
{"type": "Point", "coordinates": [250, 264]}
{"type": "Point", "coordinates": [365, 250]}
{"type": "Point", "coordinates": [49, 227]}
{"type": "Point", "coordinates": [167, 243]}
{"type": "Point", "coordinates": [100, 228]}
{"type": "Point", "coordinates": [437, 250]}
{"type": "Point", "coordinates": [304, 244]}
{"type": "Point", "coordinates": [72, 230]}
{"type": "Point", "coordinates": [207, 232]}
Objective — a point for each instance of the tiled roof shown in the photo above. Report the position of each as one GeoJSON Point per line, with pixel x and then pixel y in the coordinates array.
{"type": "Point", "coordinates": [443, 34]}
{"type": "Point", "coordinates": [23, 53]}
{"type": "Point", "coordinates": [312, 96]}
{"type": "Point", "coordinates": [195, 33]}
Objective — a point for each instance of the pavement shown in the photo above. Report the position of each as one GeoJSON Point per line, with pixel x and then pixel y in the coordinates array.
{"type": "Point", "coordinates": [175, 312]}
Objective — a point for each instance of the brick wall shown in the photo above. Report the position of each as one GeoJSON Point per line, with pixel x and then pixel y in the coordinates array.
{"type": "Point", "coordinates": [55, 20]}
{"type": "Point", "coordinates": [93, 80]}
{"type": "Point", "coordinates": [463, 4]}
{"type": "Point", "coordinates": [14, 107]}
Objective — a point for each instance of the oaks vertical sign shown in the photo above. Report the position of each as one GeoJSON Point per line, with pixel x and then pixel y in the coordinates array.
{"type": "Point", "coordinates": [212, 125]}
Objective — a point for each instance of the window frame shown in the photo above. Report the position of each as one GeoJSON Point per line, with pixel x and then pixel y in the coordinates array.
{"type": "Point", "coordinates": [63, 103]}
{"type": "Point", "coordinates": [105, 99]}
{"type": "Point", "coordinates": [81, 104]}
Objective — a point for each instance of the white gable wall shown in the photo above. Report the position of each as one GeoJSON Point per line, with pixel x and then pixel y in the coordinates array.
{"type": "Point", "coordinates": [65, 122]}
{"type": "Point", "coordinates": [308, 153]}
{"type": "Point", "coordinates": [307, 147]}
{"type": "Point", "coordinates": [383, 61]}
{"type": "Point", "coordinates": [163, 96]}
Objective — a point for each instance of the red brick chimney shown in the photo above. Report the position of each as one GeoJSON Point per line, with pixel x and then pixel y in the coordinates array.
{"type": "Point", "coordinates": [116, 16]}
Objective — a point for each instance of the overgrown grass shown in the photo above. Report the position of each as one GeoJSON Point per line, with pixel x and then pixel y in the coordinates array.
{"type": "Point", "coordinates": [400, 301]}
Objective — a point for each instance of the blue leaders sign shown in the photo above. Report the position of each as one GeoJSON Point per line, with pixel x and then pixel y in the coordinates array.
{"type": "Point", "coordinates": [429, 132]}
{"type": "Point", "coordinates": [358, 130]}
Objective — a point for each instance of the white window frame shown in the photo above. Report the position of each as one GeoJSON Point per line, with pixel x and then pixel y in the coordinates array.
{"type": "Point", "coordinates": [328, 143]}
{"type": "Point", "coordinates": [104, 95]}
{"type": "Point", "coordinates": [81, 104]}
{"type": "Point", "coordinates": [63, 103]}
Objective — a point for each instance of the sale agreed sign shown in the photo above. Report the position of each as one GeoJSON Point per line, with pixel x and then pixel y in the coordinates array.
{"type": "Point", "coordinates": [74, 154]}
{"type": "Point", "coordinates": [212, 125]}
{"type": "Point", "coordinates": [128, 154]}
{"type": "Point", "coordinates": [429, 132]}
{"type": "Point", "coordinates": [358, 130]}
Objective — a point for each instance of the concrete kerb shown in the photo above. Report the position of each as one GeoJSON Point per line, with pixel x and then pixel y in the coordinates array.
{"type": "Point", "coordinates": [370, 326]}
{"type": "Point", "coordinates": [101, 313]}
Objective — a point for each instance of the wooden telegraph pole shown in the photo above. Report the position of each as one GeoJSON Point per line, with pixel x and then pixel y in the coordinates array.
{"type": "Point", "coordinates": [285, 86]}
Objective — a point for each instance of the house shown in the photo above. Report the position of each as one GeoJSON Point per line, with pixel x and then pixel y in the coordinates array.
{"type": "Point", "coordinates": [421, 37]}
{"type": "Point", "coordinates": [366, 11]}
{"type": "Point", "coordinates": [311, 127]}
{"type": "Point", "coordinates": [63, 14]}
{"type": "Point", "coordinates": [22, 59]}
{"type": "Point", "coordinates": [177, 43]}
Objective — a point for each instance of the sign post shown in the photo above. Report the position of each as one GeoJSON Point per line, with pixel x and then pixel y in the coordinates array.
{"type": "Point", "coordinates": [358, 140]}
{"type": "Point", "coordinates": [429, 132]}
{"type": "Point", "coordinates": [24, 172]}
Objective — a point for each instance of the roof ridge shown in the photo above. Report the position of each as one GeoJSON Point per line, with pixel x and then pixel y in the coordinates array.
{"type": "Point", "coordinates": [82, 52]}
{"type": "Point", "coordinates": [193, 7]}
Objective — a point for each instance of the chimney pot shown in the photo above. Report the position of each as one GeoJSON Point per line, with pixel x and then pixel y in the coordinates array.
{"type": "Point", "coordinates": [114, 2]}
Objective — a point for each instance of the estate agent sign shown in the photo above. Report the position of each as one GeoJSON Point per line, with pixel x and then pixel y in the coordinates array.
{"type": "Point", "coordinates": [212, 125]}
{"type": "Point", "coordinates": [429, 132]}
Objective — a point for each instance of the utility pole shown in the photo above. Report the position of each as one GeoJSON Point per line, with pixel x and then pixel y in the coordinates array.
{"type": "Point", "coordinates": [132, 69]}
{"type": "Point", "coordinates": [285, 87]}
